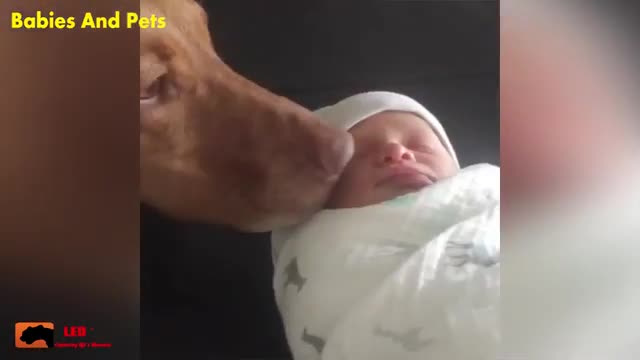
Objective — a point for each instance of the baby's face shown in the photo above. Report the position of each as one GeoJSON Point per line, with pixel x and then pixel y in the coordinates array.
{"type": "Point", "coordinates": [395, 153]}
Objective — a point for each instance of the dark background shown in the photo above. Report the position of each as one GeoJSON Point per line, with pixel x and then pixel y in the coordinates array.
{"type": "Point", "coordinates": [207, 290]}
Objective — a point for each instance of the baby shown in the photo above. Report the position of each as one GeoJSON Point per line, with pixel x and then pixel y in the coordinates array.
{"type": "Point", "coordinates": [400, 147]}
{"type": "Point", "coordinates": [395, 266]}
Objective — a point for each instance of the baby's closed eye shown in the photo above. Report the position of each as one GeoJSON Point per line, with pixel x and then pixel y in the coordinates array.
{"type": "Point", "coordinates": [420, 142]}
{"type": "Point", "coordinates": [423, 147]}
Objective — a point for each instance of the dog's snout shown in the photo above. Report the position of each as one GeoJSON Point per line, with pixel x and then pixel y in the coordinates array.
{"type": "Point", "coordinates": [337, 154]}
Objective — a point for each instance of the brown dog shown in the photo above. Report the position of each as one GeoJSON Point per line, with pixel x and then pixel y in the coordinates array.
{"type": "Point", "coordinates": [217, 148]}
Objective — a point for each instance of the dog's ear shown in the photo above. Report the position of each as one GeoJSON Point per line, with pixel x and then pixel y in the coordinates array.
{"type": "Point", "coordinates": [202, 4]}
{"type": "Point", "coordinates": [203, 12]}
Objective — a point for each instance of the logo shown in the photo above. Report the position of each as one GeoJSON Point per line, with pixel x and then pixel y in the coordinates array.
{"type": "Point", "coordinates": [40, 335]}
{"type": "Point", "coordinates": [34, 335]}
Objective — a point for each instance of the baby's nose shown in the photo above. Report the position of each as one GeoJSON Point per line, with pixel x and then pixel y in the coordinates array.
{"type": "Point", "coordinates": [394, 152]}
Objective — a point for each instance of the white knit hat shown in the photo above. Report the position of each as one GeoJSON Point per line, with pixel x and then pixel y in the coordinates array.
{"type": "Point", "coordinates": [348, 112]}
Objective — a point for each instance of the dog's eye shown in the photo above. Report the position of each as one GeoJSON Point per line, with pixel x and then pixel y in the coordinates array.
{"type": "Point", "coordinates": [156, 90]}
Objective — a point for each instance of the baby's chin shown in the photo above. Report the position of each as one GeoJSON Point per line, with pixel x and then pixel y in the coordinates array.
{"type": "Point", "coordinates": [406, 191]}
{"type": "Point", "coordinates": [408, 183]}
{"type": "Point", "coordinates": [392, 192]}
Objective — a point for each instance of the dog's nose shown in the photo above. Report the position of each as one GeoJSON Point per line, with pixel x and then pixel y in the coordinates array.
{"type": "Point", "coordinates": [338, 153]}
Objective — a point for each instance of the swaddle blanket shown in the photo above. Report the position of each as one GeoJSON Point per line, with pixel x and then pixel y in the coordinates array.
{"type": "Point", "coordinates": [416, 277]}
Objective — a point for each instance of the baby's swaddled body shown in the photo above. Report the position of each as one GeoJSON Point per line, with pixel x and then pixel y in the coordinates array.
{"type": "Point", "coordinates": [416, 277]}
{"type": "Point", "coordinates": [404, 262]}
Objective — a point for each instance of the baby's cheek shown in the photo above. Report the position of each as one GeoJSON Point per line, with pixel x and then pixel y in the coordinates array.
{"type": "Point", "coordinates": [446, 166]}
{"type": "Point", "coordinates": [453, 167]}
{"type": "Point", "coordinates": [343, 192]}
{"type": "Point", "coordinates": [358, 178]}
{"type": "Point", "coordinates": [358, 184]}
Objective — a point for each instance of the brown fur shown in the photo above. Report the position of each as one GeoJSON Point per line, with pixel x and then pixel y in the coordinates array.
{"type": "Point", "coordinates": [215, 147]}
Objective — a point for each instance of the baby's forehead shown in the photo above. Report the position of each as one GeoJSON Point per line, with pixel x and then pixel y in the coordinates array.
{"type": "Point", "coordinates": [392, 122]}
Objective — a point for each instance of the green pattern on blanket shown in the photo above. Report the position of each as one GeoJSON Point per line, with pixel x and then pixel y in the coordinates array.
{"type": "Point", "coordinates": [404, 200]}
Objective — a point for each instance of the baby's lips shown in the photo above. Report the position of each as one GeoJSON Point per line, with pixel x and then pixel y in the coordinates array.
{"type": "Point", "coordinates": [406, 174]}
